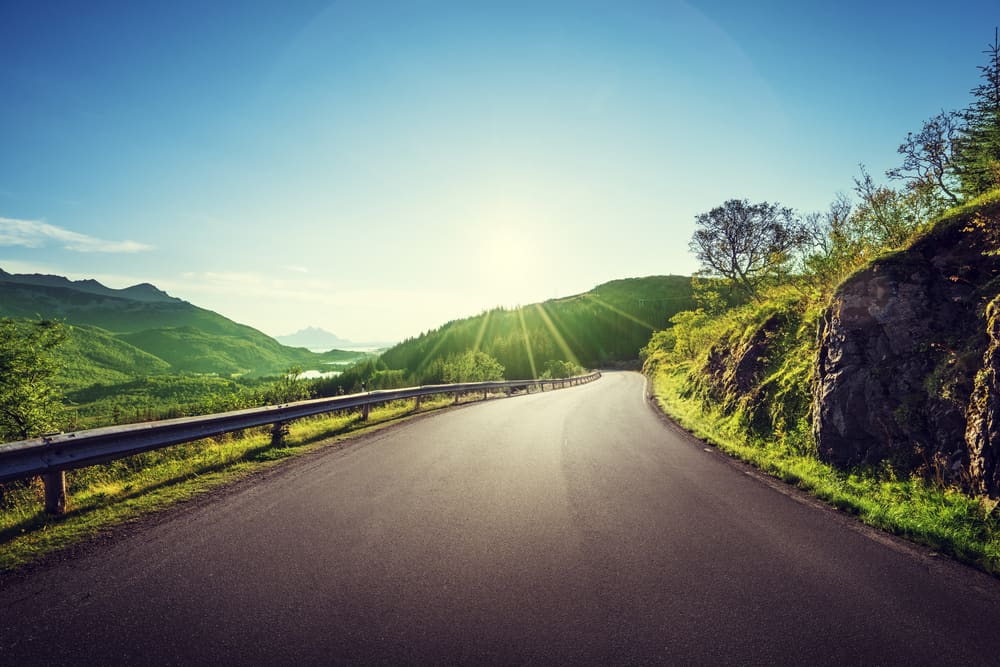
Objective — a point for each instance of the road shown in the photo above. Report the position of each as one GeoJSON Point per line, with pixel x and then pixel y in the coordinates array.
{"type": "Point", "coordinates": [571, 527]}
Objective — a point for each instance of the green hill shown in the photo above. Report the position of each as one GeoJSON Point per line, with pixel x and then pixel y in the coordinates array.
{"type": "Point", "coordinates": [91, 355]}
{"type": "Point", "coordinates": [116, 313]}
{"type": "Point", "coordinates": [139, 331]}
{"type": "Point", "coordinates": [192, 350]}
{"type": "Point", "coordinates": [605, 325]}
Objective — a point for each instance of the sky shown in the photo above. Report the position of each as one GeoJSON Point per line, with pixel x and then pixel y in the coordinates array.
{"type": "Point", "coordinates": [380, 168]}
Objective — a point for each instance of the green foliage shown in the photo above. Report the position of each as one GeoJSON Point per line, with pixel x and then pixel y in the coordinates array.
{"type": "Point", "coordinates": [849, 236]}
{"type": "Point", "coordinates": [472, 366]}
{"type": "Point", "coordinates": [978, 151]}
{"type": "Point", "coordinates": [28, 397]}
{"type": "Point", "coordinates": [288, 388]}
{"type": "Point", "coordinates": [192, 350]}
{"type": "Point", "coordinates": [94, 356]}
{"type": "Point", "coordinates": [885, 218]}
{"type": "Point", "coordinates": [159, 397]}
{"type": "Point", "coordinates": [747, 244]}
{"type": "Point", "coordinates": [557, 368]}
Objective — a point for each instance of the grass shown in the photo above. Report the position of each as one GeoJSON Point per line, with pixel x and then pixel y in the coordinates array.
{"type": "Point", "coordinates": [945, 519]}
{"type": "Point", "coordinates": [104, 496]}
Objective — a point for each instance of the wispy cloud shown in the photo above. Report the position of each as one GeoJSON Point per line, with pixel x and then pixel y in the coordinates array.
{"type": "Point", "coordinates": [35, 234]}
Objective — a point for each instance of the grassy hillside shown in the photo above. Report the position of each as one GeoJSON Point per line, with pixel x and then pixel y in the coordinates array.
{"type": "Point", "coordinates": [91, 355]}
{"type": "Point", "coordinates": [605, 325]}
{"type": "Point", "coordinates": [124, 334]}
{"type": "Point", "coordinates": [188, 349]}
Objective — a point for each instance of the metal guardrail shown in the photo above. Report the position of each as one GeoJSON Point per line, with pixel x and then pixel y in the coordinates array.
{"type": "Point", "coordinates": [51, 456]}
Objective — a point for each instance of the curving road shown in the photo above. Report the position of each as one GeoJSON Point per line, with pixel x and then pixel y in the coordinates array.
{"type": "Point", "coordinates": [565, 527]}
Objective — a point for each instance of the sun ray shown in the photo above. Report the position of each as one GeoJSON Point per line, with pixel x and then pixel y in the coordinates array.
{"type": "Point", "coordinates": [482, 330]}
{"type": "Point", "coordinates": [437, 346]}
{"type": "Point", "coordinates": [560, 341]}
{"type": "Point", "coordinates": [621, 312]}
{"type": "Point", "coordinates": [527, 343]}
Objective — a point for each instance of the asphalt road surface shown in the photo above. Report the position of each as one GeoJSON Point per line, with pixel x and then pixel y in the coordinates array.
{"type": "Point", "coordinates": [567, 527]}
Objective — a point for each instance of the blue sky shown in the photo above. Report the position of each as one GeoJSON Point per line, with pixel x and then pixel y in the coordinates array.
{"type": "Point", "coordinates": [379, 168]}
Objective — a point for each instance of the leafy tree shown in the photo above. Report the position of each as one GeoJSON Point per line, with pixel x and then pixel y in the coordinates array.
{"type": "Point", "coordinates": [978, 154]}
{"type": "Point", "coordinates": [287, 388]}
{"type": "Point", "coordinates": [28, 398]}
{"type": "Point", "coordinates": [556, 368]}
{"type": "Point", "coordinates": [712, 295]}
{"type": "Point", "coordinates": [472, 367]}
{"type": "Point", "coordinates": [689, 334]}
{"type": "Point", "coordinates": [827, 259]}
{"type": "Point", "coordinates": [886, 218]}
{"type": "Point", "coordinates": [747, 244]}
{"type": "Point", "coordinates": [929, 158]}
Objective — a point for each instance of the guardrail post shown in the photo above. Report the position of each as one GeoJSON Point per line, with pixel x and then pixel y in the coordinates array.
{"type": "Point", "coordinates": [364, 412]}
{"type": "Point", "coordinates": [278, 432]}
{"type": "Point", "coordinates": [55, 492]}
{"type": "Point", "coordinates": [455, 400]}
{"type": "Point", "coordinates": [416, 403]}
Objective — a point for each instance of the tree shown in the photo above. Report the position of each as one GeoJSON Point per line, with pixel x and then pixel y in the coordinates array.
{"type": "Point", "coordinates": [929, 157]}
{"type": "Point", "coordinates": [828, 256]}
{"type": "Point", "coordinates": [557, 368]}
{"type": "Point", "coordinates": [978, 150]}
{"type": "Point", "coordinates": [288, 388]}
{"type": "Point", "coordinates": [472, 367]}
{"type": "Point", "coordinates": [887, 218]}
{"type": "Point", "coordinates": [28, 397]}
{"type": "Point", "coordinates": [747, 244]}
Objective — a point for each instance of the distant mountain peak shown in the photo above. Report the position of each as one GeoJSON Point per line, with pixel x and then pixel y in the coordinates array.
{"type": "Point", "coordinates": [314, 338]}
{"type": "Point", "coordinates": [142, 292]}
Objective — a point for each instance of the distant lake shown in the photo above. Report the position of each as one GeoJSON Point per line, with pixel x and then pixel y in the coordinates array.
{"type": "Point", "coordinates": [366, 350]}
{"type": "Point", "coordinates": [315, 375]}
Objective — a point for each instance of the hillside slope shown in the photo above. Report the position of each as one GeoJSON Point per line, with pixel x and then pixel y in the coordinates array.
{"type": "Point", "coordinates": [141, 330]}
{"type": "Point", "coordinates": [605, 325]}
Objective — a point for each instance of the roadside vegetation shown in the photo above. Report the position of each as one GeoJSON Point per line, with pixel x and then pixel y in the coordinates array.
{"type": "Point", "coordinates": [739, 369]}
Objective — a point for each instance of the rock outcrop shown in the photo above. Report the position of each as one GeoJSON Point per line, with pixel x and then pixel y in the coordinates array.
{"type": "Point", "coordinates": [982, 432]}
{"type": "Point", "coordinates": [900, 349]}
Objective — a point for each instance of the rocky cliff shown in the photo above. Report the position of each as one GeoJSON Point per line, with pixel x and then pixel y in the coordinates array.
{"type": "Point", "coordinates": [907, 369]}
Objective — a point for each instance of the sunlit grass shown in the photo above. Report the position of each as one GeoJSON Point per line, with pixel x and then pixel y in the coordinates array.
{"type": "Point", "coordinates": [103, 496]}
{"type": "Point", "coordinates": [942, 518]}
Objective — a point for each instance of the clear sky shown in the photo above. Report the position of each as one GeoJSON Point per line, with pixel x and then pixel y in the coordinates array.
{"type": "Point", "coordinates": [379, 168]}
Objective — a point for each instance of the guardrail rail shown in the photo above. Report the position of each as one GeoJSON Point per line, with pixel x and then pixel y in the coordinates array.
{"type": "Point", "coordinates": [51, 456]}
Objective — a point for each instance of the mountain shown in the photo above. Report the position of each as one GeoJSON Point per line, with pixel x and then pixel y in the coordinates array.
{"type": "Point", "coordinates": [315, 338]}
{"type": "Point", "coordinates": [607, 325]}
{"type": "Point", "coordinates": [141, 330]}
{"type": "Point", "coordinates": [141, 292]}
